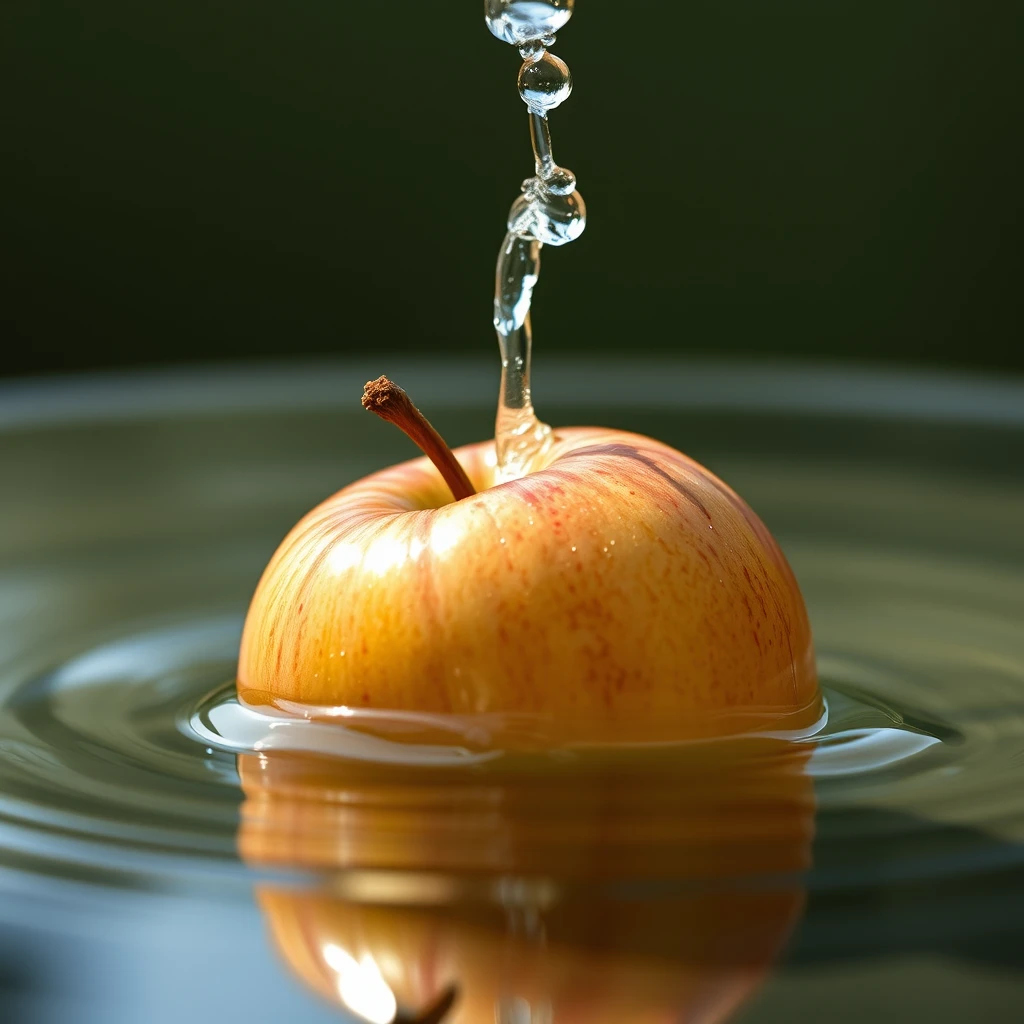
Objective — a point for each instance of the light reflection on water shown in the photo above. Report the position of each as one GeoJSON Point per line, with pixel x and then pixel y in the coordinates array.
{"type": "Point", "coordinates": [127, 557]}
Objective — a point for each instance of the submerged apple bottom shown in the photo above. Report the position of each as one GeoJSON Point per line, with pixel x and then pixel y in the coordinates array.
{"type": "Point", "coordinates": [380, 956]}
{"type": "Point", "coordinates": [618, 591]}
{"type": "Point", "coordinates": [652, 886]}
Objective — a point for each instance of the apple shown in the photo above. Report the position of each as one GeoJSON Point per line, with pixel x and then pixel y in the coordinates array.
{"type": "Point", "coordinates": [617, 591]}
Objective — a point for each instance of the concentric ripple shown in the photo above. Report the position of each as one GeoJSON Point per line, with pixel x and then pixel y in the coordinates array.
{"type": "Point", "coordinates": [119, 622]}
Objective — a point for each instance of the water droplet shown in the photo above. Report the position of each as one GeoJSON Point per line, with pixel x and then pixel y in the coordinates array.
{"type": "Point", "coordinates": [544, 82]}
{"type": "Point", "coordinates": [550, 219]}
{"type": "Point", "coordinates": [517, 21]}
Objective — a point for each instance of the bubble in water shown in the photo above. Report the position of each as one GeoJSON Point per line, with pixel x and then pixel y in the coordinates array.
{"type": "Point", "coordinates": [517, 21]}
{"type": "Point", "coordinates": [544, 82]}
{"type": "Point", "coordinates": [548, 217]}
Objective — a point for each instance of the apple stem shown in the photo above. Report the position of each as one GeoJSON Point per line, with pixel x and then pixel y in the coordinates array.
{"type": "Point", "coordinates": [391, 403]}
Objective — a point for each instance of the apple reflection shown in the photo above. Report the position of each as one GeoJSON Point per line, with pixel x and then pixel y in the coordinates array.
{"type": "Point", "coordinates": [642, 886]}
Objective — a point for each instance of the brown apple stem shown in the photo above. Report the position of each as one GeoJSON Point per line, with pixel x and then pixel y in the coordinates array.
{"type": "Point", "coordinates": [391, 403]}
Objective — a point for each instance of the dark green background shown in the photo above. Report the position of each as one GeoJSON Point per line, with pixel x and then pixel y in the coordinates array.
{"type": "Point", "coordinates": [235, 178]}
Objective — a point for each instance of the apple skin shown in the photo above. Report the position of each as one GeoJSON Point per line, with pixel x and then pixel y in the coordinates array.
{"type": "Point", "coordinates": [620, 589]}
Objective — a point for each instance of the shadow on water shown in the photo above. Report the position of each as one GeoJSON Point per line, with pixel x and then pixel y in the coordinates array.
{"type": "Point", "coordinates": [20, 978]}
{"type": "Point", "coordinates": [887, 884]}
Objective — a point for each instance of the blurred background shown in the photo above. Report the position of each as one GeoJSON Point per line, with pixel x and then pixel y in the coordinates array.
{"type": "Point", "coordinates": [225, 180]}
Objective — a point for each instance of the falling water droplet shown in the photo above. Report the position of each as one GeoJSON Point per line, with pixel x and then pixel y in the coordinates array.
{"type": "Point", "coordinates": [518, 21]}
{"type": "Point", "coordinates": [544, 82]}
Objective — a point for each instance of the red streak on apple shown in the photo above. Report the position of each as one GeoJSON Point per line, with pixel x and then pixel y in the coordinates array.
{"type": "Point", "coordinates": [620, 588]}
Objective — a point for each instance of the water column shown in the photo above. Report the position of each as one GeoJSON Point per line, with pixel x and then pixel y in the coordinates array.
{"type": "Point", "coordinates": [549, 211]}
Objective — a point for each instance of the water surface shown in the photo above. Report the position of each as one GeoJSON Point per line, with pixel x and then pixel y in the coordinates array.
{"type": "Point", "coordinates": [137, 514]}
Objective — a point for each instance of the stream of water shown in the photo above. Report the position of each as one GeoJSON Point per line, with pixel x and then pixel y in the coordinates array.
{"type": "Point", "coordinates": [549, 211]}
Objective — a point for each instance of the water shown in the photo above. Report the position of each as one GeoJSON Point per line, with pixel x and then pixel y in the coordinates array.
{"type": "Point", "coordinates": [158, 860]}
{"type": "Point", "coordinates": [524, 21]}
{"type": "Point", "coordinates": [549, 211]}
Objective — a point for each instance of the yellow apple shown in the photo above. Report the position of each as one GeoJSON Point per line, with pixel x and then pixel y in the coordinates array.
{"type": "Point", "coordinates": [620, 589]}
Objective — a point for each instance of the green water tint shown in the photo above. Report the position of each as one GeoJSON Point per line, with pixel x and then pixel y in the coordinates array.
{"type": "Point", "coordinates": [138, 515]}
